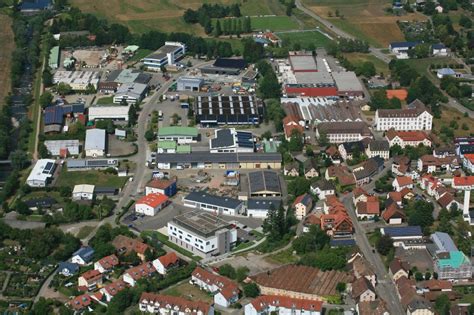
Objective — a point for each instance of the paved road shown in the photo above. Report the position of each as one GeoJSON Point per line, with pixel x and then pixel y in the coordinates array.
{"type": "Point", "coordinates": [385, 288]}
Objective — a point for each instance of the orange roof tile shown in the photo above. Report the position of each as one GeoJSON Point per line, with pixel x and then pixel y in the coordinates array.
{"type": "Point", "coordinates": [404, 180]}
{"type": "Point", "coordinates": [401, 94]}
{"type": "Point", "coordinates": [264, 301]}
{"type": "Point", "coordinates": [80, 302]}
{"type": "Point", "coordinates": [109, 262]}
{"type": "Point", "coordinates": [463, 181]}
{"type": "Point", "coordinates": [407, 135]}
{"type": "Point", "coordinates": [169, 259]}
{"type": "Point", "coordinates": [228, 288]}
{"type": "Point", "coordinates": [141, 271]}
{"type": "Point", "coordinates": [91, 275]}
{"type": "Point", "coordinates": [469, 157]}
{"type": "Point", "coordinates": [153, 200]}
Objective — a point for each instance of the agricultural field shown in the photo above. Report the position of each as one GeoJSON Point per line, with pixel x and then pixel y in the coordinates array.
{"type": "Point", "coordinates": [358, 58]}
{"type": "Point", "coordinates": [6, 37]}
{"type": "Point", "coordinates": [166, 15]}
{"type": "Point", "coordinates": [365, 19]}
{"type": "Point", "coordinates": [305, 39]}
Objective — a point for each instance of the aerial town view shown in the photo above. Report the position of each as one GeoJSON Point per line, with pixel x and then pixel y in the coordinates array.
{"type": "Point", "coordinates": [228, 157]}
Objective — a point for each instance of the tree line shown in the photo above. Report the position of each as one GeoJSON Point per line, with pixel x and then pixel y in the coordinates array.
{"type": "Point", "coordinates": [233, 26]}
{"type": "Point", "coordinates": [207, 12]}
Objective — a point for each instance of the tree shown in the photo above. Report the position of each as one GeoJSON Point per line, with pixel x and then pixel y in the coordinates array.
{"type": "Point", "coordinates": [19, 159]}
{"type": "Point", "coordinates": [367, 69]}
{"type": "Point", "coordinates": [384, 245]}
{"type": "Point", "coordinates": [465, 21]}
{"type": "Point", "coordinates": [217, 29]}
{"type": "Point", "coordinates": [323, 139]}
{"type": "Point", "coordinates": [22, 208]}
{"type": "Point", "coordinates": [275, 224]}
{"type": "Point", "coordinates": [149, 254]}
{"type": "Point", "coordinates": [241, 273]}
{"type": "Point", "coordinates": [315, 239]}
{"type": "Point", "coordinates": [298, 186]}
{"type": "Point", "coordinates": [267, 135]}
{"type": "Point", "coordinates": [329, 259]}
{"type": "Point", "coordinates": [47, 77]}
{"type": "Point", "coordinates": [442, 304]}
{"type": "Point", "coordinates": [251, 290]}
{"type": "Point", "coordinates": [132, 116]}
{"type": "Point", "coordinates": [427, 275]}
{"type": "Point", "coordinates": [63, 89]}
{"type": "Point", "coordinates": [149, 135]}
{"type": "Point", "coordinates": [43, 151]}
{"type": "Point", "coordinates": [420, 213]}
{"type": "Point", "coordinates": [227, 270]}
{"type": "Point", "coordinates": [46, 99]}
{"type": "Point", "coordinates": [43, 306]}
{"type": "Point", "coordinates": [269, 86]}
{"type": "Point", "coordinates": [296, 141]}
{"type": "Point", "coordinates": [341, 287]}
{"type": "Point", "coordinates": [418, 276]}
{"type": "Point", "coordinates": [121, 301]}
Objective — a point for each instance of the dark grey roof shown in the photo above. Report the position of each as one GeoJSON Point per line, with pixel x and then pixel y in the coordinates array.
{"type": "Point", "coordinates": [105, 190]}
{"type": "Point", "coordinates": [85, 253]}
{"type": "Point", "coordinates": [370, 168]}
{"type": "Point", "coordinates": [264, 181]}
{"type": "Point", "coordinates": [345, 127]}
{"type": "Point", "coordinates": [324, 184]}
{"type": "Point", "coordinates": [263, 203]}
{"type": "Point", "coordinates": [352, 146]}
{"type": "Point", "coordinates": [41, 202]}
{"type": "Point", "coordinates": [201, 222]}
{"type": "Point", "coordinates": [206, 157]}
{"type": "Point", "coordinates": [204, 197]}
{"type": "Point", "coordinates": [403, 231]}
{"type": "Point", "coordinates": [73, 268]}
{"type": "Point", "coordinates": [224, 138]}
{"type": "Point", "coordinates": [379, 145]}
{"type": "Point", "coordinates": [309, 164]}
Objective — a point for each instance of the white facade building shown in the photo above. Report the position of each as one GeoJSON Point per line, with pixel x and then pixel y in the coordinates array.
{"type": "Point", "coordinates": [132, 93]}
{"type": "Point", "coordinates": [216, 204]}
{"type": "Point", "coordinates": [114, 112]}
{"type": "Point", "coordinates": [165, 55]}
{"type": "Point", "coordinates": [339, 132]}
{"type": "Point", "coordinates": [95, 142]}
{"type": "Point", "coordinates": [55, 146]}
{"type": "Point", "coordinates": [151, 204]}
{"type": "Point", "coordinates": [83, 192]}
{"type": "Point", "coordinates": [282, 305]}
{"type": "Point", "coordinates": [415, 117]}
{"type": "Point", "coordinates": [41, 173]}
{"type": "Point", "coordinates": [77, 80]}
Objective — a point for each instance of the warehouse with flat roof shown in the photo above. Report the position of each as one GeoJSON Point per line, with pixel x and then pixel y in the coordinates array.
{"type": "Point", "coordinates": [189, 84]}
{"type": "Point", "coordinates": [53, 61]}
{"type": "Point", "coordinates": [302, 61]}
{"type": "Point", "coordinates": [95, 144]}
{"type": "Point", "coordinates": [114, 112]}
{"type": "Point", "coordinates": [62, 147]}
{"type": "Point", "coordinates": [218, 205]}
{"type": "Point", "coordinates": [348, 85]}
{"type": "Point", "coordinates": [182, 135]}
{"type": "Point", "coordinates": [42, 173]}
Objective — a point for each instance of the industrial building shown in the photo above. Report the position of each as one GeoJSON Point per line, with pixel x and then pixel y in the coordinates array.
{"type": "Point", "coordinates": [42, 173]}
{"type": "Point", "coordinates": [53, 116]}
{"type": "Point", "coordinates": [231, 141]}
{"type": "Point", "coordinates": [53, 61]}
{"type": "Point", "coordinates": [165, 55]}
{"type": "Point", "coordinates": [151, 204]}
{"type": "Point", "coordinates": [348, 85]}
{"type": "Point", "coordinates": [125, 76]}
{"type": "Point", "coordinates": [77, 80]}
{"type": "Point", "coordinates": [83, 192]}
{"type": "Point", "coordinates": [95, 144]}
{"type": "Point", "coordinates": [259, 207]}
{"type": "Point", "coordinates": [189, 84]}
{"type": "Point", "coordinates": [339, 132]}
{"type": "Point", "coordinates": [227, 110]}
{"type": "Point", "coordinates": [182, 135]}
{"type": "Point", "coordinates": [90, 164]}
{"type": "Point", "coordinates": [132, 93]}
{"type": "Point", "coordinates": [62, 148]}
{"type": "Point", "coordinates": [229, 66]}
{"type": "Point", "coordinates": [114, 112]}
{"type": "Point", "coordinates": [218, 205]}
{"type": "Point", "coordinates": [202, 233]}
{"type": "Point", "coordinates": [302, 61]}
{"type": "Point", "coordinates": [204, 160]}
{"type": "Point", "coordinates": [264, 184]}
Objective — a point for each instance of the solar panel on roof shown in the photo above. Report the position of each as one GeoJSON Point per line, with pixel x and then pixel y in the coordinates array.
{"type": "Point", "coordinates": [48, 167]}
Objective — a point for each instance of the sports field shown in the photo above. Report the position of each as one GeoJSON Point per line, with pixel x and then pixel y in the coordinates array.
{"type": "Point", "coordinates": [305, 39]}
{"type": "Point", "coordinates": [274, 23]}
{"type": "Point", "coordinates": [6, 38]}
{"type": "Point", "coordinates": [365, 19]}
{"type": "Point", "coordinates": [166, 15]}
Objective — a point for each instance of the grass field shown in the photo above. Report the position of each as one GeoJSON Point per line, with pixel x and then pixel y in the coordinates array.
{"type": "Point", "coordinates": [70, 179]}
{"type": "Point", "coordinates": [422, 65]}
{"type": "Point", "coordinates": [274, 23]}
{"type": "Point", "coordinates": [365, 19]}
{"type": "Point", "coordinates": [84, 231]}
{"type": "Point", "coordinates": [190, 292]}
{"type": "Point", "coordinates": [105, 100]}
{"type": "Point", "coordinates": [6, 38]}
{"type": "Point", "coordinates": [305, 39]}
{"type": "Point", "coordinates": [447, 115]}
{"type": "Point", "coordinates": [359, 58]}
{"type": "Point", "coordinates": [166, 15]}
{"type": "Point", "coordinates": [283, 258]}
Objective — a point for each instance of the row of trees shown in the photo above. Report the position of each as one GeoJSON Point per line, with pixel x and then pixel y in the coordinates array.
{"type": "Point", "coordinates": [347, 46]}
{"type": "Point", "coordinates": [207, 12]}
{"type": "Point", "coordinates": [379, 100]}
{"type": "Point", "coordinates": [233, 26]}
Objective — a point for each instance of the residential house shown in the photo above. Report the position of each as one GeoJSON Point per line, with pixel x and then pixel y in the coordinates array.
{"type": "Point", "coordinates": [359, 195]}
{"type": "Point", "coordinates": [368, 209]}
{"type": "Point", "coordinates": [111, 289]}
{"type": "Point", "coordinates": [290, 126]}
{"type": "Point", "coordinates": [303, 205]}
{"type": "Point", "coordinates": [362, 290]}
{"type": "Point", "coordinates": [225, 291]}
{"type": "Point", "coordinates": [447, 201]}
{"type": "Point", "coordinates": [323, 188]}
{"type": "Point", "coordinates": [401, 182]}
{"type": "Point", "coordinates": [166, 262]}
{"type": "Point", "coordinates": [132, 275]}
{"type": "Point", "coordinates": [439, 50]}
{"type": "Point", "coordinates": [398, 269]}
{"type": "Point", "coordinates": [341, 174]}
{"type": "Point", "coordinates": [90, 280]}
{"type": "Point", "coordinates": [291, 169]}
{"type": "Point", "coordinates": [420, 307]}
{"type": "Point", "coordinates": [68, 269]}
{"type": "Point", "coordinates": [400, 165]}
{"type": "Point", "coordinates": [436, 285]}
{"type": "Point", "coordinates": [335, 220]}
{"type": "Point", "coordinates": [333, 153]}
{"type": "Point", "coordinates": [83, 256]}
{"type": "Point", "coordinates": [468, 162]}
{"type": "Point", "coordinates": [81, 303]}
{"type": "Point", "coordinates": [431, 164]}
{"type": "Point", "coordinates": [270, 304]}
{"type": "Point", "coordinates": [126, 245]}
{"type": "Point", "coordinates": [364, 172]}
{"type": "Point", "coordinates": [310, 220]}
{"type": "Point", "coordinates": [361, 269]}
{"type": "Point", "coordinates": [310, 168]}
{"type": "Point", "coordinates": [407, 138]}
{"type": "Point", "coordinates": [394, 215]}
{"type": "Point", "coordinates": [151, 204]}
{"type": "Point", "coordinates": [349, 150]}
{"type": "Point", "coordinates": [377, 307]}
{"type": "Point", "coordinates": [165, 304]}
{"type": "Point", "coordinates": [380, 148]}
{"type": "Point", "coordinates": [107, 263]}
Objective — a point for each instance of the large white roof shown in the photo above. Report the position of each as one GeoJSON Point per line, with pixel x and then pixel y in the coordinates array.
{"type": "Point", "coordinates": [95, 139]}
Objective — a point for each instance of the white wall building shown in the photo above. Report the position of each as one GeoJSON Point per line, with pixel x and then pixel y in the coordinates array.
{"type": "Point", "coordinates": [215, 204]}
{"type": "Point", "coordinates": [83, 192]}
{"type": "Point", "coordinates": [151, 204]}
{"type": "Point", "coordinates": [231, 141]}
{"type": "Point", "coordinates": [114, 112]}
{"type": "Point", "coordinates": [41, 173]}
{"type": "Point", "coordinates": [202, 233]}
{"type": "Point", "coordinates": [95, 142]}
{"type": "Point", "coordinates": [165, 55]}
{"type": "Point", "coordinates": [77, 80]}
{"type": "Point", "coordinates": [132, 93]}
{"type": "Point", "coordinates": [415, 117]}
{"type": "Point", "coordinates": [282, 305]}
{"type": "Point", "coordinates": [55, 146]}
{"type": "Point", "coordinates": [339, 132]}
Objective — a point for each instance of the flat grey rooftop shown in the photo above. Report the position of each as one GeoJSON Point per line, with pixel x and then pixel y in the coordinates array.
{"type": "Point", "coordinates": [201, 222]}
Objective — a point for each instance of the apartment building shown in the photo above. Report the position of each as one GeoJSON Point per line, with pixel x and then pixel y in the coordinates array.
{"type": "Point", "coordinates": [339, 132]}
{"type": "Point", "coordinates": [414, 117]}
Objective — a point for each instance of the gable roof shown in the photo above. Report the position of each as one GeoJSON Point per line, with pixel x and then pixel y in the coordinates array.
{"type": "Point", "coordinates": [406, 135]}
{"type": "Point", "coordinates": [402, 231]}
{"type": "Point", "coordinates": [85, 253]}
{"type": "Point", "coordinates": [177, 304]}
{"type": "Point", "coordinates": [304, 199]}
{"type": "Point", "coordinates": [168, 259]}
{"type": "Point", "coordinates": [128, 244]}
{"type": "Point", "coordinates": [401, 94]}
{"type": "Point", "coordinates": [115, 287]}
{"type": "Point", "coordinates": [140, 271]}
{"type": "Point", "coordinates": [153, 200]}
{"type": "Point", "coordinates": [377, 307]}
{"type": "Point", "coordinates": [91, 275]}
{"type": "Point", "coordinates": [359, 286]}
{"type": "Point", "coordinates": [160, 183]}
{"type": "Point", "coordinates": [404, 180]}
{"type": "Point", "coordinates": [393, 211]}
{"type": "Point", "coordinates": [323, 184]}
{"type": "Point", "coordinates": [227, 287]}
{"type": "Point", "coordinates": [108, 262]}
{"type": "Point", "coordinates": [264, 301]}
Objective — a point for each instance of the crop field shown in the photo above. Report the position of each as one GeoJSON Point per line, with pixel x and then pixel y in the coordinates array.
{"type": "Point", "coordinates": [305, 39]}
{"type": "Point", "coordinates": [6, 37]}
{"type": "Point", "coordinates": [358, 58]}
{"type": "Point", "coordinates": [166, 15]}
{"type": "Point", "coordinates": [365, 19]}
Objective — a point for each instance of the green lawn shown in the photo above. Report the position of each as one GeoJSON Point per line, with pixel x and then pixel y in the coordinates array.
{"type": "Point", "coordinates": [105, 100]}
{"type": "Point", "coordinates": [140, 54]}
{"type": "Point", "coordinates": [274, 23]}
{"type": "Point", "coordinates": [421, 65]}
{"type": "Point", "coordinates": [85, 231]}
{"type": "Point", "coordinates": [242, 246]}
{"type": "Point", "coordinates": [359, 58]}
{"type": "Point", "coordinates": [284, 257]}
{"type": "Point", "coordinates": [164, 239]}
{"type": "Point", "coordinates": [98, 178]}
{"type": "Point", "coordinates": [305, 39]}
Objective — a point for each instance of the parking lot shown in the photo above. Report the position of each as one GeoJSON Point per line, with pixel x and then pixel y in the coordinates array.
{"type": "Point", "coordinates": [416, 257]}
